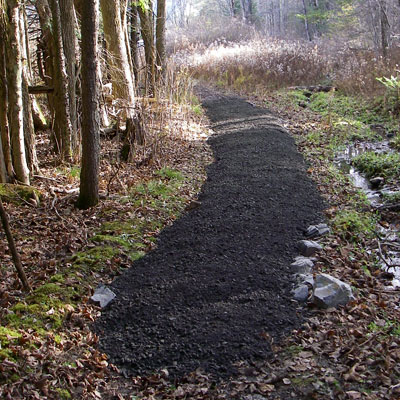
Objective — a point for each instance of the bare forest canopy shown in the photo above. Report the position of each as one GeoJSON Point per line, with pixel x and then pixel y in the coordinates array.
{"type": "Point", "coordinates": [361, 24]}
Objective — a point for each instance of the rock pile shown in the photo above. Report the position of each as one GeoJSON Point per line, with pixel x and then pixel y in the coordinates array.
{"type": "Point", "coordinates": [323, 290]}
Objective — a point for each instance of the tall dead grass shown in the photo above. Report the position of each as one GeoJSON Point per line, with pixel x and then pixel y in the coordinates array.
{"type": "Point", "coordinates": [267, 64]}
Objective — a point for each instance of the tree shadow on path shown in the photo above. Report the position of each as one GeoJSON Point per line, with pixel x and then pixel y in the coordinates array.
{"type": "Point", "coordinates": [219, 282]}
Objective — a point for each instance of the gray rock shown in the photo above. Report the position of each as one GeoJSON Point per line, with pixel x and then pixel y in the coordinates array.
{"type": "Point", "coordinates": [308, 247]}
{"type": "Point", "coordinates": [316, 230]}
{"type": "Point", "coordinates": [311, 231]}
{"type": "Point", "coordinates": [302, 265]}
{"type": "Point", "coordinates": [102, 296]}
{"type": "Point", "coordinates": [331, 292]}
{"type": "Point", "coordinates": [323, 229]}
{"type": "Point", "coordinates": [301, 293]}
{"type": "Point", "coordinates": [307, 279]}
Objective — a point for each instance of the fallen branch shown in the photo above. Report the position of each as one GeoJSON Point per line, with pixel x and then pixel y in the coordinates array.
{"type": "Point", "coordinates": [13, 248]}
{"type": "Point", "coordinates": [66, 191]}
{"type": "Point", "coordinates": [40, 89]}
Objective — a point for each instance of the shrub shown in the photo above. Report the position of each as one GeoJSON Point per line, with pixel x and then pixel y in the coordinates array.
{"type": "Point", "coordinates": [383, 164]}
{"type": "Point", "coordinates": [350, 225]}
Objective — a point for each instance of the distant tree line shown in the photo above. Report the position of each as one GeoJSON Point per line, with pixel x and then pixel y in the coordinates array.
{"type": "Point", "coordinates": [362, 24]}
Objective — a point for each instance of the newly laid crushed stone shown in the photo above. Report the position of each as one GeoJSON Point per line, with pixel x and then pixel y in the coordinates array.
{"type": "Point", "coordinates": [218, 285]}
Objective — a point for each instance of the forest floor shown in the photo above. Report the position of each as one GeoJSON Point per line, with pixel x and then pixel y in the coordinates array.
{"type": "Point", "coordinates": [207, 313]}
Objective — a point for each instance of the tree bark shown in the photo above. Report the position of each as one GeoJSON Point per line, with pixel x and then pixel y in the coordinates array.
{"type": "Point", "coordinates": [29, 129]}
{"type": "Point", "coordinates": [146, 23]}
{"type": "Point", "coordinates": [55, 75]}
{"type": "Point", "coordinates": [306, 26]}
{"type": "Point", "coordinates": [63, 122]}
{"type": "Point", "coordinates": [121, 74]}
{"type": "Point", "coordinates": [15, 94]}
{"type": "Point", "coordinates": [124, 23]}
{"type": "Point", "coordinates": [13, 248]}
{"type": "Point", "coordinates": [160, 38]}
{"type": "Point", "coordinates": [4, 128]}
{"type": "Point", "coordinates": [385, 27]}
{"type": "Point", "coordinates": [135, 35]}
{"type": "Point", "coordinates": [67, 14]}
{"type": "Point", "coordinates": [89, 184]}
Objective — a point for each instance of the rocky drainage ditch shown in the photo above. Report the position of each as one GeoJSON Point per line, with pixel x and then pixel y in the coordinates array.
{"type": "Point", "coordinates": [388, 244]}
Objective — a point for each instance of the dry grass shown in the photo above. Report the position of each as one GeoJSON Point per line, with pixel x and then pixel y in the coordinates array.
{"type": "Point", "coordinates": [257, 65]}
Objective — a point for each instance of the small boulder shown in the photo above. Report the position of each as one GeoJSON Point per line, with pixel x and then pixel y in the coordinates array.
{"type": "Point", "coordinates": [307, 279]}
{"type": "Point", "coordinates": [323, 229]}
{"type": "Point", "coordinates": [308, 247]}
{"type": "Point", "coordinates": [102, 296]}
{"type": "Point", "coordinates": [316, 230]}
{"type": "Point", "coordinates": [311, 231]}
{"type": "Point", "coordinates": [302, 265]}
{"type": "Point", "coordinates": [300, 293]}
{"type": "Point", "coordinates": [331, 292]}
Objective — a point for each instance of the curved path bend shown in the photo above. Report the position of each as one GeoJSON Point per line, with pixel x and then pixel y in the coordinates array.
{"type": "Point", "coordinates": [219, 282]}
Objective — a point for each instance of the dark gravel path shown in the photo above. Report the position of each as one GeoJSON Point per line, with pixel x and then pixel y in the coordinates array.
{"type": "Point", "coordinates": [219, 279]}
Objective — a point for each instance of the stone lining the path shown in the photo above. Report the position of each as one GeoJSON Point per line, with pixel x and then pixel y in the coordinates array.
{"type": "Point", "coordinates": [324, 291]}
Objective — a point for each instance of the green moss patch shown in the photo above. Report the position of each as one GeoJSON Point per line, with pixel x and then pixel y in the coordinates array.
{"type": "Point", "coordinates": [18, 193]}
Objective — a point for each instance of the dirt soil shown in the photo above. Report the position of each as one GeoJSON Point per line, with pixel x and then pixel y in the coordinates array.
{"type": "Point", "coordinates": [217, 288]}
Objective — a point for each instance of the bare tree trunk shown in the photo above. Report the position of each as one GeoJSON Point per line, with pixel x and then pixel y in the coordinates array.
{"type": "Point", "coordinates": [385, 27]}
{"type": "Point", "coordinates": [55, 75]}
{"type": "Point", "coordinates": [306, 21]}
{"type": "Point", "coordinates": [121, 74]}
{"type": "Point", "coordinates": [3, 171]}
{"type": "Point", "coordinates": [15, 95]}
{"type": "Point", "coordinates": [5, 134]}
{"type": "Point", "coordinates": [89, 185]}
{"type": "Point", "coordinates": [146, 23]}
{"type": "Point", "coordinates": [29, 129]}
{"type": "Point", "coordinates": [63, 122]}
{"type": "Point", "coordinates": [124, 23]}
{"type": "Point", "coordinates": [67, 14]}
{"type": "Point", "coordinates": [13, 248]}
{"type": "Point", "coordinates": [135, 35]}
{"type": "Point", "coordinates": [160, 37]}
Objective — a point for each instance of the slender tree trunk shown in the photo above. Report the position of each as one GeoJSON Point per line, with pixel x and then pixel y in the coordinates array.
{"type": "Point", "coordinates": [3, 171]}
{"type": "Point", "coordinates": [29, 129]}
{"type": "Point", "coordinates": [385, 27]}
{"type": "Point", "coordinates": [13, 248]}
{"type": "Point", "coordinates": [135, 35]}
{"type": "Point", "coordinates": [89, 185]}
{"type": "Point", "coordinates": [63, 122]}
{"type": "Point", "coordinates": [160, 37]}
{"type": "Point", "coordinates": [146, 23]}
{"type": "Point", "coordinates": [121, 74]}
{"type": "Point", "coordinates": [15, 95]}
{"type": "Point", "coordinates": [306, 21]}
{"type": "Point", "coordinates": [67, 14]}
{"type": "Point", "coordinates": [5, 134]}
{"type": "Point", "coordinates": [124, 23]}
